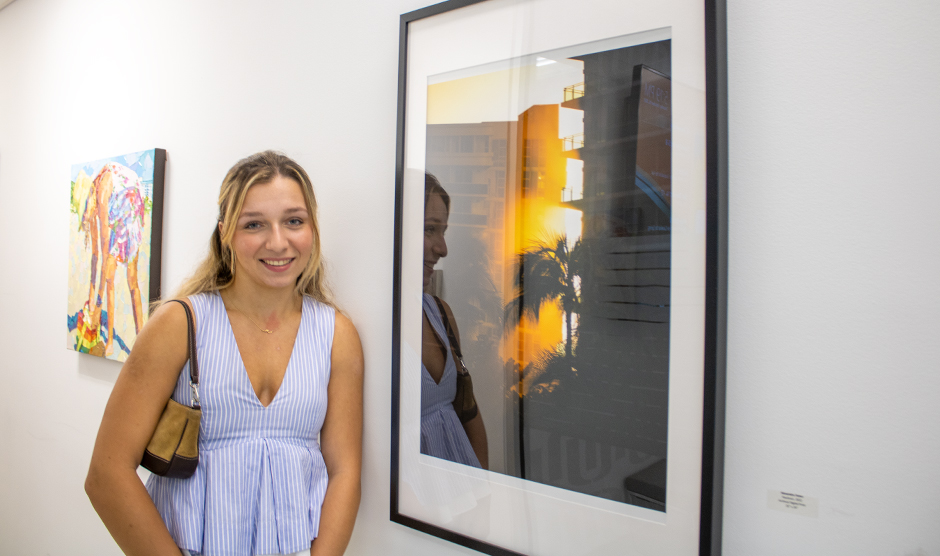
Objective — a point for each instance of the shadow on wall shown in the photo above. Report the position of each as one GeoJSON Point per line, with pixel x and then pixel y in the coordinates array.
{"type": "Point", "coordinates": [98, 368]}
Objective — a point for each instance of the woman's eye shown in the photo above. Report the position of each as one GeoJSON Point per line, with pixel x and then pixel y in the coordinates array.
{"type": "Point", "coordinates": [252, 225]}
{"type": "Point", "coordinates": [296, 222]}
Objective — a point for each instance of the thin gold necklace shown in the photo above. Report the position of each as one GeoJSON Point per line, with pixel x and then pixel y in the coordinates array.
{"type": "Point", "coordinates": [265, 330]}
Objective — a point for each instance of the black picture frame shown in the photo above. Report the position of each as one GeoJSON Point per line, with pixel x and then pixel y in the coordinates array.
{"type": "Point", "coordinates": [711, 344]}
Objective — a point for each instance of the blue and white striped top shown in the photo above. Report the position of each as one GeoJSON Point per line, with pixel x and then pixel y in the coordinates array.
{"type": "Point", "coordinates": [442, 435]}
{"type": "Point", "coordinates": [261, 479]}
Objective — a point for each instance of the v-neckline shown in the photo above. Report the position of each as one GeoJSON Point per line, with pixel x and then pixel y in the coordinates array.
{"type": "Point", "coordinates": [241, 360]}
{"type": "Point", "coordinates": [447, 355]}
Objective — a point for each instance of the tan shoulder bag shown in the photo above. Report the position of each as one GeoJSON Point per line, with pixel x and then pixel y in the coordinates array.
{"type": "Point", "coordinates": [173, 450]}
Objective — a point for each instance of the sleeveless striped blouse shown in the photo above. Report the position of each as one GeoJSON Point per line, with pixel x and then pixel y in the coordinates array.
{"type": "Point", "coordinates": [261, 479]}
{"type": "Point", "coordinates": [442, 435]}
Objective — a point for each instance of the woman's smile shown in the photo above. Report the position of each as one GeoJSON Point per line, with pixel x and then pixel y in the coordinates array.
{"type": "Point", "coordinates": [277, 265]}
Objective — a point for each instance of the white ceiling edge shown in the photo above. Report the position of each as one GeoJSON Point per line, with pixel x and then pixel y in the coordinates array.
{"type": "Point", "coordinates": [3, 3]}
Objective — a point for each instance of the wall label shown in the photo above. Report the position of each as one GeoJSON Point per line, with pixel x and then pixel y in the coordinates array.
{"type": "Point", "coordinates": [792, 503]}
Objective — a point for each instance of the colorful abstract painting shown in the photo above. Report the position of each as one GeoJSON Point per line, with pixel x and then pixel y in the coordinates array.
{"type": "Point", "coordinates": [115, 223]}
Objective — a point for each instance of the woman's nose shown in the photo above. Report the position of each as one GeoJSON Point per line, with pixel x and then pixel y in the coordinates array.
{"type": "Point", "coordinates": [276, 239]}
{"type": "Point", "coordinates": [440, 247]}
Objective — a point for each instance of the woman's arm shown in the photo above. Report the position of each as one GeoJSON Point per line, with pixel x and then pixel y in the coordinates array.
{"type": "Point", "coordinates": [476, 433]}
{"type": "Point", "coordinates": [474, 428]}
{"type": "Point", "coordinates": [341, 442]}
{"type": "Point", "coordinates": [141, 392]}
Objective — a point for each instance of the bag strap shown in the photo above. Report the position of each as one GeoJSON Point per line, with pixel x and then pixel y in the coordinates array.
{"type": "Point", "coordinates": [464, 382]}
{"type": "Point", "coordinates": [450, 330]}
{"type": "Point", "coordinates": [193, 361]}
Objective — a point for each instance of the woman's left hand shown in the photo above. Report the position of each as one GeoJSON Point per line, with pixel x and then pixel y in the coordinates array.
{"type": "Point", "coordinates": [476, 433]}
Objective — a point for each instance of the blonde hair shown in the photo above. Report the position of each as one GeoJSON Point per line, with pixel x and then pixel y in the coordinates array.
{"type": "Point", "coordinates": [217, 271]}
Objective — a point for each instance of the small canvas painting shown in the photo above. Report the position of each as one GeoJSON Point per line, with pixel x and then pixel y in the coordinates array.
{"type": "Point", "coordinates": [115, 228]}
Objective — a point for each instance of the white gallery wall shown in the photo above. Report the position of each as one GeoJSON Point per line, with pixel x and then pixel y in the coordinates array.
{"type": "Point", "coordinates": [833, 349]}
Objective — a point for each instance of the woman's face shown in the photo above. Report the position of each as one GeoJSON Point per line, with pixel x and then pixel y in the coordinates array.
{"type": "Point", "coordinates": [435, 224]}
{"type": "Point", "coordinates": [273, 235]}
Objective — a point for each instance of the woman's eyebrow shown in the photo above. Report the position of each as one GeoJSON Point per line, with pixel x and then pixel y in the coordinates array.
{"type": "Point", "coordinates": [256, 214]}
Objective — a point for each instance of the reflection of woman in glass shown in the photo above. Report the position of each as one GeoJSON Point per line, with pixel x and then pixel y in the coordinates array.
{"type": "Point", "coordinates": [442, 433]}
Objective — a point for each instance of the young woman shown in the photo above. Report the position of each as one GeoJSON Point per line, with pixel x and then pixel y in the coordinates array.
{"type": "Point", "coordinates": [279, 467]}
{"type": "Point", "coordinates": [443, 434]}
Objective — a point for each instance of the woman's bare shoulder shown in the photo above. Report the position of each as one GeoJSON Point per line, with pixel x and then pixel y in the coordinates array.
{"type": "Point", "coordinates": [344, 330]}
{"type": "Point", "coordinates": [449, 315]}
{"type": "Point", "coordinates": [171, 315]}
{"type": "Point", "coordinates": [164, 338]}
{"type": "Point", "coordinates": [446, 307]}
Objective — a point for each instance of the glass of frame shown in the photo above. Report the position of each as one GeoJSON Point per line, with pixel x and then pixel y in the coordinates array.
{"type": "Point", "coordinates": [559, 234]}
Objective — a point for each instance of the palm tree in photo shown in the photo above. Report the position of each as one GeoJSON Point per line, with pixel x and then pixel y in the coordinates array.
{"type": "Point", "coordinates": [547, 272]}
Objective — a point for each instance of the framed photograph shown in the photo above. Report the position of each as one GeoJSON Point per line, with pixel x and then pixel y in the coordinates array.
{"type": "Point", "coordinates": [559, 292]}
{"type": "Point", "coordinates": [115, 238]}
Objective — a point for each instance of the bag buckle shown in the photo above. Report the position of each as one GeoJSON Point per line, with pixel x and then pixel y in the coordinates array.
{"type": "Point", "coordinates": [195, 394]}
